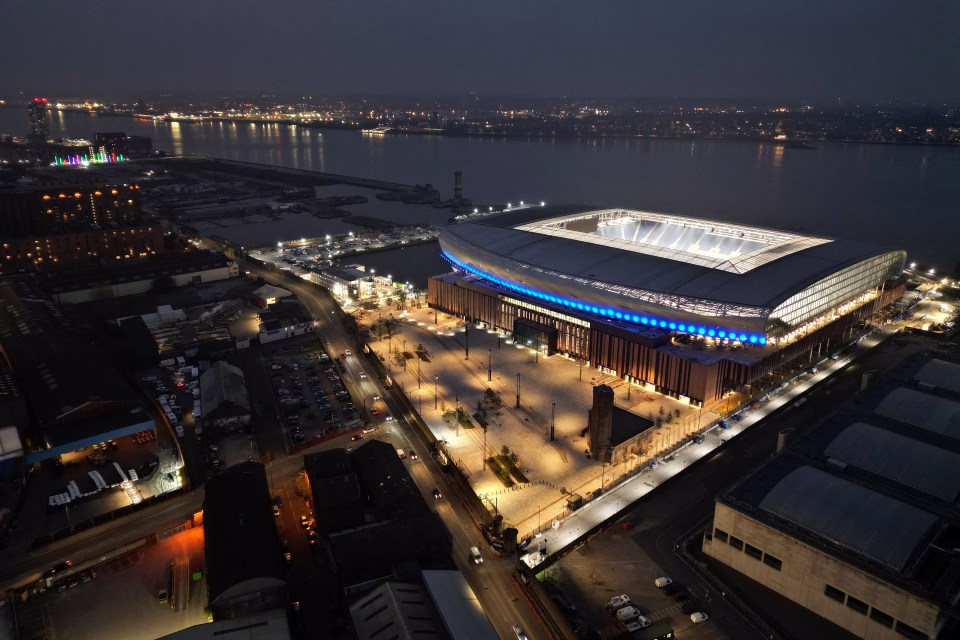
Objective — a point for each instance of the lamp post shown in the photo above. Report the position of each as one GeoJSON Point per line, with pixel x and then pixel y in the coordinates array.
{"type": "Point", "coordinates": [404, 355]}
{"type": "Point", "coordinates": [435, 382]}
{"type": "Point", "coordinates": [466, 339]}
{"type": "Point", "coordinates": [518, 391]}
{"type": "Point", "coordinates": [489, 365]}
{"type": "Point", "coordinates": [553, 416]}
{"type": "Point", "coordinates": [418, 371]}
{"type": "Point", "coordinates": [538, 519]}
{"type": "Point", "coordinates": [580, 360]}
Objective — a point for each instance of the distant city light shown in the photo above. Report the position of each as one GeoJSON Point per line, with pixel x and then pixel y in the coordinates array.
{"type": "Point", "coordinates": [85, 159]}
{"type": "Point", "coordinates": [542, 203]}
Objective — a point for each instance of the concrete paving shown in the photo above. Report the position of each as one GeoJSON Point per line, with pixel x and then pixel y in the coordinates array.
{"type": "Point", "coordinates": [555, 469]}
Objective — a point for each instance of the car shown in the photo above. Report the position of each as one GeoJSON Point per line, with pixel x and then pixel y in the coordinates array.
{"type": "Point", "coordinates": [475, 556]}
{"type": "Point", "coordinates": [314, 546]}
{"type": "Point", "coordinates": [436, 494]}
{"type": "Point", "coordinates": [163, 597]}
{"type": "Point", "coordinates": [518, 631]}
{"type": "Point", "coordinates": [304, 521]}
{"type": "Point", "coordinates": [356, 436]}
{"type": "Point", "coordinates": [388, 418]}
{"type": "Point", "coordinates": [311, 534]}
{"type": "Point", "coordinates": [348, 352]}
{"type": "Point", "coordinates": [276, 511]}
{"type": "Point", "coordinates": [375, 398]}
{"type": "Point", "coordinates": [641, 622]}
{"type": "Point", "coordinates": [413, 455]}
{"type": "Point", "coordinates": [617, 602]}
{"type": "Point", "coordinates": [698, 617]}
{"type": "Point", "coordinates": [369, 428]}
{"type": "Point", "coordinates": [288, 556]}
{"type": "Point", "coordinates": [672, 590]}
{"type": "Point", "coordinates": [57, 568]}
{"type": "Point", "coordinates": [628, 613]}
{"type": "Point", "coordinates": [374, 412]}
{"type": "Point", "coordinates": [698, 440]}
{"type": "Point", "coordinates": [362, 375]}
{"type": "Point", "coordinates": [662, 582]}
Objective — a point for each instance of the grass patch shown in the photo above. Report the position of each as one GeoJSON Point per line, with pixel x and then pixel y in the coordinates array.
{"type": "Point", "coordinates": [503, 475]}
{"type": "Point", "coordinates": [511, 468]}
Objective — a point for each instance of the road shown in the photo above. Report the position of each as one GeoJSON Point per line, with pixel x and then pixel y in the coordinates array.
{"type": "Point", "coordinates": [492, 581]}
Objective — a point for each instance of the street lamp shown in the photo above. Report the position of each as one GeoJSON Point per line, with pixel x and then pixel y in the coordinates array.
{"type": "Point", "coordinates": [553, 417]}
{"type": "Point", "coordinates": [435, 382]}
{"type": "Point", "coordinates": [489, 365]}
{"type": "Point", "coordinates": [518, 391]}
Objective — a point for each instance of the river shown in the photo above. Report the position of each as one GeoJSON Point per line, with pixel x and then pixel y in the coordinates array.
{"type": "Point", "coordinates": [903, 196]}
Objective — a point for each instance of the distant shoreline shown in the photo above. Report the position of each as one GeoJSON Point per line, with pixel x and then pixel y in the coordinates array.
{"type": "Point", "coordinates": [798, 143]}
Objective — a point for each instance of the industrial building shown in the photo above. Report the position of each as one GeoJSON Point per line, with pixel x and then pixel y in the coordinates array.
{"type": "Point", "coordinates": [75, 399]}
{"type": "Point", "coordinates": [858, 522]}
{"type": "Point", "coordinates": [225, 405]}
{"type": "Point", "coordinates": [689, 307]}
{"type": "Point", "coordinates": [373, 517]}
{"type": "Point", "coordinates": [97, 282]}
{"type": "Point", "coordinates": [246, 573]}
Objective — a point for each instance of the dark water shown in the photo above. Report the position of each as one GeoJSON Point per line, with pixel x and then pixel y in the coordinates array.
{"type": "Point", "coordinates": [903, 196]}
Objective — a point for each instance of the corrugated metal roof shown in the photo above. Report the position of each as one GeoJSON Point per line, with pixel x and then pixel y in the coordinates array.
{"type": "Point", "coordinates": [923, 410]}
{"type": "Point", "coordinates": [222, 383]}
{"type": "Point", "coordinates": [458, 606]}
{"type": "Point", "coordinates": [940, 374]}
{"type": "Point", "coordinates": [869, 523]}
{"type": "Point", "coordinates": [904, 460]}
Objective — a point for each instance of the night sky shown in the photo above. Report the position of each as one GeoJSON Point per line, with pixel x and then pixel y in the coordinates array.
{"type": "Point", "coordinates": [814, 50]}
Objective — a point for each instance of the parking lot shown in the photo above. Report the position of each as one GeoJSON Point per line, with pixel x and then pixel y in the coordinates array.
{"type": "Point", "coordinates": [311, 396]}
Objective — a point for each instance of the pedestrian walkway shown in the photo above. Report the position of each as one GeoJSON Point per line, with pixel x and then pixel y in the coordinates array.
{"type": "Point", "coordinates": [573, 529]}
{"type": "Point", "coordinates": [557, 392]}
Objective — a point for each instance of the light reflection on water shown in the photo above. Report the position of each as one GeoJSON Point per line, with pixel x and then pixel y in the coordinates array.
{"type": "Point", "coordinates": [881, 193]}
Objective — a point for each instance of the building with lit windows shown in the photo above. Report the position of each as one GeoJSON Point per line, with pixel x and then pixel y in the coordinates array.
{"type": "Point", "coordinates": [54, 222]}
{"type": "Point", "coordinates": [690, 307]}
{"type": "Point", "coordinates": [39, 120]}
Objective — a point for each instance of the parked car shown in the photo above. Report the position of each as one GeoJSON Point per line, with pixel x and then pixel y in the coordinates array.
{"type": "Point", "coordinates": [698, 617]}
{"type": "Point", "coordinates": [662, 582]}
{"type": "Point", "coordinates": [616, 602]}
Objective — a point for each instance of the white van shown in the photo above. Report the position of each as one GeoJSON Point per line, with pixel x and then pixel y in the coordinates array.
{"type": "Point", "coordinates": [662, 582]}
{"type": "Point", "coordinates": [475, 556]}
{"type": "Point", "coordinates": [402, 454]}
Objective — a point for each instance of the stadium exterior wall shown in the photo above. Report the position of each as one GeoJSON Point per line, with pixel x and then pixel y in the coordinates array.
{"type": "Point", "coordinates": [641, 353]}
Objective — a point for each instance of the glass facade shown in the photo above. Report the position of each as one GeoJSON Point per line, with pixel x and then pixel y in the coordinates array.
{"type": "Point", "coordinates": [834, 291]}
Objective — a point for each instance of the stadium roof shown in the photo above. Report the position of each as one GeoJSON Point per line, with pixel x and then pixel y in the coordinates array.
{"type": "Point", "coordinates": [690, 270]}
{"type": "Point", "coordinates": [940, 374]}
{"type": "Point", "coordinates": [922, 410]}
{"type": "Point", "coordinates": [898, 458]}
{"type": "Point", "coordinates": [865, 521]}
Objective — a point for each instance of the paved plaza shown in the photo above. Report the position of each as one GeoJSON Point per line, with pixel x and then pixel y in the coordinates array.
{"type": "Point", "coordinates": [448, 379]}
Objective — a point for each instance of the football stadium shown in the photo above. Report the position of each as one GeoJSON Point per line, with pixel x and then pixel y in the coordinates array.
{"type": "Point", "coordinates": [691, 307]}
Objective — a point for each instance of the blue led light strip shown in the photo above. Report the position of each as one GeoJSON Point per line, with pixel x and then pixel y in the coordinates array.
{"type": "Point", "coordinates": [614, 314]}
